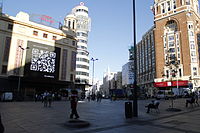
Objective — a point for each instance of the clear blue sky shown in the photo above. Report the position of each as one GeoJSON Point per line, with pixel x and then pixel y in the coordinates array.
{"type": "Point", "coordinates": [111, 32]}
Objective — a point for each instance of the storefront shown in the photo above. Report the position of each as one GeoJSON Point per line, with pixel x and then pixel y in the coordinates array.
{"type": "Point", "coordinates": [177, 87]}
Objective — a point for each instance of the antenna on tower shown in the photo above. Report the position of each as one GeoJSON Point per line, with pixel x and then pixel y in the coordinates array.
{"type": "Point", "coordinates": [1, 6]}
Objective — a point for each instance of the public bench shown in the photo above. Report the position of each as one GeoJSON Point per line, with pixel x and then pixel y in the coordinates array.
{"type": "Point", "coordinates": [153, 106]}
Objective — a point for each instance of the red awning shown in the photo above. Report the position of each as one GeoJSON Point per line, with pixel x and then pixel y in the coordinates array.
{"type": "Point", "coordinates": [171, 83]}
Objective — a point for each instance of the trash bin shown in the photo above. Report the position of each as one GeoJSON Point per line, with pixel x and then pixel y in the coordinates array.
{"type": "Point", "coordinates": [128, 109]}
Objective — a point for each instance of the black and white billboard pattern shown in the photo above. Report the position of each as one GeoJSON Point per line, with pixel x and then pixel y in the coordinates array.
{"type": "Point", "coordinates": [43, 61]}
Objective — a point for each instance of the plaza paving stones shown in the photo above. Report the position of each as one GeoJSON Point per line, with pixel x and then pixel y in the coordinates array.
{"type": "Point", "coordinates": [105, 117]}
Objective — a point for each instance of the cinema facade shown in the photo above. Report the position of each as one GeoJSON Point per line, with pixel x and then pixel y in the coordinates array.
{"type": "Point", "coordinates": [35, 57]}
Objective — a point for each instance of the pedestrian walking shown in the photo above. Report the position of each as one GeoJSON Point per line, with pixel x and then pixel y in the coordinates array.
{"type": "Point", "coordinates": [88, 98]}
{"type": "Point", "coordinates": [190, 101]}
{"type": "Point", "coordinates": [36, 97]}
{"type": "Point", "coordinates": [1, 126]}
{"type": "Point", "coordinates": [45, 95]}
{"type": "Point", "coordinates": [196, 97]}
{"type": "Point", "coordinates": [49, 98]}
{"type": "Point", "coordinates": [99, 96]}
{"type": "Point", "coordinates": [74, 101]}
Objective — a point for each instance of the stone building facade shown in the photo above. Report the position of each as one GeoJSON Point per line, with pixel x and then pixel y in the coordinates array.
{"type": "Point", "coordinates": [35, 57]}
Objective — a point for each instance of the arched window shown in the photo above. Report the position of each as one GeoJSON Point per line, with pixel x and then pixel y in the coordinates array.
{"type": "Point", "coordinates": [187, 2]}
{"type": "Point", "coordinates": [191, 33]}
{"type": "Point", "coordinates": [171, 25]}
{"type": "Point", "coordinates": [69, 24]}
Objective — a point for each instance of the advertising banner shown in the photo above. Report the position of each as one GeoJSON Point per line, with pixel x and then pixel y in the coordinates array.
{"type": "Point", "coordinates": [42, 61]}
{"type": "Point", "coordinates": [171, 83]}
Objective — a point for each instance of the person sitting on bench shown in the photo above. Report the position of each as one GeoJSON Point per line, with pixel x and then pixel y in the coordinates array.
{"type": "Point", "coordinates": [190, 101]}
{"type": "Point", "coordinates": [153, 105]}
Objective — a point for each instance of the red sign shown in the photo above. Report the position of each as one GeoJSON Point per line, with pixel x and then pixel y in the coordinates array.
{"type": "Point", "coordinates": [47, 18]}
{"type": "Point", "coordinates": [170, 83]}
{"type": "Point", "coordinates": [160, 84]}
{"type": "Point", "coordinates": [180, 83]}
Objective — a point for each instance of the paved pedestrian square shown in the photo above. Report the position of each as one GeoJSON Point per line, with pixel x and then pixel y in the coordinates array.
{"type": "Point", "coordinates": [104, 117]}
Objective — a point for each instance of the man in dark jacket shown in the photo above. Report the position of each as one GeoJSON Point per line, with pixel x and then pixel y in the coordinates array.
{"type": "Point", "coordinates": [74, 101]}
{"type": "Point", "coordinates": [1, 126]}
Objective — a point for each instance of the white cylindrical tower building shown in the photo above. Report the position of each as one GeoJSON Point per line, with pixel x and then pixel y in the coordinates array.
{"type": "Point", "coordinates": [82, 26]}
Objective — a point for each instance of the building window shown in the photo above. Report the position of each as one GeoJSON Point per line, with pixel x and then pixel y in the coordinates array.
{"type": "Point", "coordinates": [171, 50]}
{"type": "Point", "coordinates": [168, 4]}
{"type": "Point", "coordinates": [191, 33]}
{"type": "Point", "coordinates": [180, 73]}
{"type": "Point", "coordinates": [45, 35]}
{"type": "Point", "coordinates": [187, 2]}
{"type": "Point", "coordinates": [190, 26]}
{"type": "Point", "coordinates": [163, 8]}
{"type": "Point", "coordinates": [83, 73]}
{"type": "Point", "coordinates": [171, 38]}
{"type": "Point", "coordinates": [54, 37]}
{"type": "Point", "coordinates": [69, 24]}
{"type": "Point", "coordinates": [194, 71]}
{"type": "Point", "coordinates": [167, 73]}
{"type": "Point", "coordinates": [10, 26]}
{"type": "Point", "coordinates": [174, 2]}
{"type": "Point", "coordinates": [73, 26]}
{"type": "Point", "coordinates": [35, 33]}
{"type": "Point", "coordinates": [172, 56]}
{"type": "Point", "coordinates": [4, 69]}
{"type": "Point", "coordinates": [171, 44]}
{"type": "Point", "coordinates": [74, 43]}
{"type": "Point", "coordinates": [193, 53]}
{"type": "Point", "coordinates": [192, 46]}
{"type": "Point", "coordinates": [82, 66]}
{"type": "Point", "coordinates": [194, 59]}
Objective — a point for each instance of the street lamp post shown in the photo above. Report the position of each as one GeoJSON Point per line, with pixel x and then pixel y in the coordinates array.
{"type": "Point", "coordinates": [135, 102]}
{"type": "Point", "coordinates": [19, 80]}
{"type": "Point", "coordinates": [173, 65]}
{"type": "Point", "coordinates": [93, 60]}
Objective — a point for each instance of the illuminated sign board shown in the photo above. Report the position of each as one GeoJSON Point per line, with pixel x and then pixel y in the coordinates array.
{"type": "Point", "coordinates": [171, 84]}
{"type": "Point", "coordinates": [42, 61]}
{"type": "Point", "coordinates": [45, 20]}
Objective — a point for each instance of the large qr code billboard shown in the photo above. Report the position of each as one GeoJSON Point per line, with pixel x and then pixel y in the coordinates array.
{"type": "Point", "coordinates": [42, 61]}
